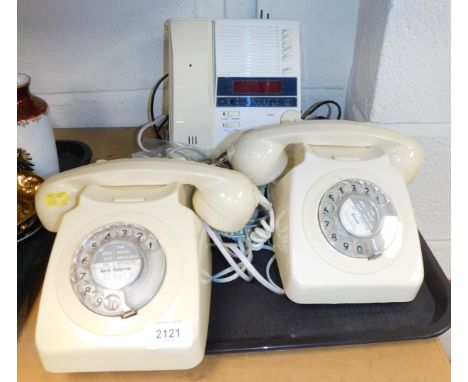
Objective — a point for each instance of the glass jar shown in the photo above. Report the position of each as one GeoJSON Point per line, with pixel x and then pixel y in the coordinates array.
{"type": "Point", "coordinates": [36, 148]}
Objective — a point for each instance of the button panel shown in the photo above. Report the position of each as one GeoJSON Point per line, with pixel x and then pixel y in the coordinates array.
{"type": "Point", "coordinates": [110, 262]}
{"type": "Point", "coordinates": [358, 218]}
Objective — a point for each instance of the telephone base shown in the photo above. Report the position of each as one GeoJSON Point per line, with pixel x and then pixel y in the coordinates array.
{"type": "Point", "coordinates": [312, 270]}
{"type": "Point", "coordinates": [373, 292]}
{"type": "Point", "coordinates": [169, 331]}
{"type": "Point", "coordinates": [110, 357]}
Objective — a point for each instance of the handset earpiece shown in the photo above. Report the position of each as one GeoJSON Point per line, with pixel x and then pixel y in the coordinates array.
{"type": "Point", "coordinates": [262, 161]}
{"type": "Point", "coordinates": [226, 209]}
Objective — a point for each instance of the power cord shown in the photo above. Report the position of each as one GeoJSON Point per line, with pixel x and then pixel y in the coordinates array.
{"type": "Point", "coordinates": [153, 122]}
{"type": "Point", "coordinates": [318, 105]}
{"type": "Point", "coordinates": [161, 148]}
{"type": "Point", "coordinates": [151, 106]}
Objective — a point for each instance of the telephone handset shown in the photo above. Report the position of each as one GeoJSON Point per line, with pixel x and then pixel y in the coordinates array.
{"type": "Point", "coordinates": [345, 229]}
{"type": "Point", "coordinates": [260, 154]}
{"type": "Point", "coordinates": [128, 282]}
{"type": "Point", "coordinates": [222, 198]}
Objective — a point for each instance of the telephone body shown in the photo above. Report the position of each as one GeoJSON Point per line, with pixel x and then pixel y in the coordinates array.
{"type": "Point", "coordinates": [128, 282]}
{"type": "Point", "coordinates": [240, 73]}
{"type": "Point", "coordinates": [345, 229]}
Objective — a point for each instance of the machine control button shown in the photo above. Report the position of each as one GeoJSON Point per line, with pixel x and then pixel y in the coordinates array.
{"type": "Point", "coordinates": [231, 114]}
{"type": "Point", "coordinates": [231, 125]}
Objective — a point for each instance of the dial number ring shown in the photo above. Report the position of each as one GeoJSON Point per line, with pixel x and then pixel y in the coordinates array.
{"type": "Point", "coordinates": [111, 269]}
{"type": "Point", "coordinates": [357, 218]}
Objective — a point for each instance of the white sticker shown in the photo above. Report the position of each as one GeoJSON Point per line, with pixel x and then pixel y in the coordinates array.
{"type": "Point", "coordinates": [116, 264]}
{"type": "Point", "coordinates": [360, 216]}
{"type": "Point", "coordinates": [164, 335]}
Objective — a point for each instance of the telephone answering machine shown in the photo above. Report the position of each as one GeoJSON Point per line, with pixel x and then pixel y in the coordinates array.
{"type": "Point", "coordinates": [128, 281]}
{"type": "Point", "coordinates": [345, 229]}
{"type": "Point", "coordinates": [241, 73]}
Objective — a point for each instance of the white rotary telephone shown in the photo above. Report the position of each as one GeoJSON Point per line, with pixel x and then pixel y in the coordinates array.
{"type": "Point", "coordinates": [128, 281]}
{"type": "Point", "coordinates": [345, 229]}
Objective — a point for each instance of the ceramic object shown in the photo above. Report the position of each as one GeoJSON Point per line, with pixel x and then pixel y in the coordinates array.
{"type": "Point", "coordinates": [35, 138]}
{"type": "Point", "coordinates": [27, 185]}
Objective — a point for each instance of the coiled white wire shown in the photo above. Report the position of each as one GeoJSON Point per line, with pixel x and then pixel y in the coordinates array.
{"type": "Point", "coordinates": [229, 251]}
{"type": "Point", "coordinates": [246, 262]}
{"type": "Point", "coordinates": [254, 241]}
{"type": "Point", "coordinates": [259, 236]}
{"type": "Point", "coordinates": [255, 236]}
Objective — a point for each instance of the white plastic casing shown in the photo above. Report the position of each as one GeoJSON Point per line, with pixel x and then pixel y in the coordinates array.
{"type": "Point", "coordinates": [71, 338]}
{"type": "Point", "coordinates": [191, 76]}
{"type": "Point", "coordinates": [314, 272]}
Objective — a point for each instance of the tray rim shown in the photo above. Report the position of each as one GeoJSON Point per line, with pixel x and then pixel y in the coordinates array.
{"type": "Point", "coordinates": [435, 280]}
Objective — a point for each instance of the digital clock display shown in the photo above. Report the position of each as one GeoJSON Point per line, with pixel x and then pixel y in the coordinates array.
{"type": "Point", "coordinates": [256, 87]}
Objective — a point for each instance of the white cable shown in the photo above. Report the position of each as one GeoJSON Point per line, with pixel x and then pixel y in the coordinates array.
{"type": "Point", "coordinates": [217, 278]}
{"type": "Point", "coordinates": [172, 153]}
{"type": "Point", "coordinates": [143, 128]}
{"type": "Point", "coordinates": [246, 261]}
{"type": "Point", "coordinates": [270, 263]}
{"type": "Point", "coordinates": [270, 286]}
{"type": "Point", "coordinates": [221, 246]}
{"type": "Point", "coordinates": [255, 241]}
{"type": "Point", "coordinates": [259, 236]}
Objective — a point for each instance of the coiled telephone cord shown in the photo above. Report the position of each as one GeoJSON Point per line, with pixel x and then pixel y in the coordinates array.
{"type": "Point", "coordinates": [253, 239]}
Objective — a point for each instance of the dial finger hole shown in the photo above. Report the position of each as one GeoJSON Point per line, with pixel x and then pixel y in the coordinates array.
{"type": "Point", "coordinates": [328, 223]}
{"type": "Point", "coordinates": [139, 235]}
{"type": "Point", "coordinates": [81, 275]}
{"type": "Point", "coordinates": [344, 188]}
{"type": "Point", "coordinates": [381, 198]}
{"type": "Point", "coordinates": [112, 302]}
{"type": "Point", "coordinates": [356, 187]}
{"type": "Point", "coordinates": [333, 196]}
{"type": "Point", "coordinates": [124, 232]}
{"type": "Point", "coordinates": [328, 209]}
{"type": "Point", "coordinates": [96, 300]}
{"type": "Point", "coordinates": [83, 259]}
{"type": "Point", "coordinates": [369, 190]}
{"type": "Point", "coordinates": [150, 245]}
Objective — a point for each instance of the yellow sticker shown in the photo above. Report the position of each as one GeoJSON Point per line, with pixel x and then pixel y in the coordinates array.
{"type": "Point", "coordinates": [56, 199]}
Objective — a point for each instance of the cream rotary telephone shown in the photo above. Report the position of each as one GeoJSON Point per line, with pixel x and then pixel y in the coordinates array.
{"type": "Point", "coordinates": [345, 229]}
{"type": "Point", "coordinates": [128, 281]}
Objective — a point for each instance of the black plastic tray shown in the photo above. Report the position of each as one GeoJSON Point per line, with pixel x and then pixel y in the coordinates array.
{"type": "Point", "coordinates": [248, 317]}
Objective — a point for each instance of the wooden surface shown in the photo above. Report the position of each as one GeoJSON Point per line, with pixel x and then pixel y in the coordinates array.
{"type": "Point", "coordinates": [423, 360]}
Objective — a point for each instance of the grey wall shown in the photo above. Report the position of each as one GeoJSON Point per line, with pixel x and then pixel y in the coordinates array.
{"type": "Point", "coordinates": [95, 62]}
